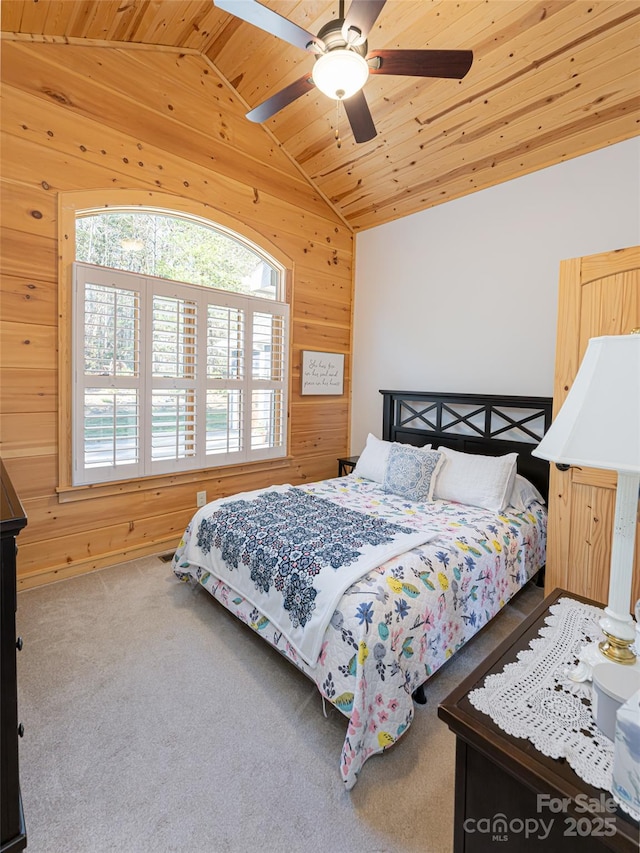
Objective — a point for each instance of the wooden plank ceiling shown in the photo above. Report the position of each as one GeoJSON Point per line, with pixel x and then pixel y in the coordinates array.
{"type": "Point", "coordinates": [550, 80]}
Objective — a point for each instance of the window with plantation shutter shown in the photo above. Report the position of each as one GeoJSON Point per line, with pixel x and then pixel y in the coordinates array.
{"type": "Point", "coordinates": [267, 370]}
{"type": "Point", "coordinates": [171, 376]}
{"type": "Point", "coordinates": [107, 399]}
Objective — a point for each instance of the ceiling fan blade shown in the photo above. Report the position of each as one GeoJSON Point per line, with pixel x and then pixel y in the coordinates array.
{"type": "Point", "coordinates": [422, 63]}
{"type": "Point", "coordinates": [271, 22]}
{"type": "Point", "coordinates": [363, 14]}
{"type": "Point", "coordinates": [359, 116]}
{"type": "Point", "coordinates": [281, 99]}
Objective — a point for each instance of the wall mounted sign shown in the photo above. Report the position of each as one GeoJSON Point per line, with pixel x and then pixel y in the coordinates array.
{"type": "Point", "coordinates": [322, 372]}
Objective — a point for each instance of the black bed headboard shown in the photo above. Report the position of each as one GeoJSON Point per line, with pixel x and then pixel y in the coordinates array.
{"type": "Point", "coordinates": [473, 423]}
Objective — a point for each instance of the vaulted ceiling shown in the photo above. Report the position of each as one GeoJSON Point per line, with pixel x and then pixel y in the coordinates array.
{"type": "Point", "coordinates": [550, 80]}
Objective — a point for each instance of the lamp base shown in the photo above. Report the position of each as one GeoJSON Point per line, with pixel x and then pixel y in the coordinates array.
{"type": "Point", "coordinates": [592, 654]}
{"type": "Point", "coordinates": [617, 650]}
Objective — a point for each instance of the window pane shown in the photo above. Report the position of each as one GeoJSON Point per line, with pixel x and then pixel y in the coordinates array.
{"type": "Point", "coordinates": [267, 419]}
{"type": "Point", "coordinates": [173, 424]}
{"type": "Point", "coordinates": [111, 324]}
{"type": "Point", "coordinates": [173, 247]}
{"type": "Point", "coordinates": [168, 354]}
{"type": "Point", "coordinates": [111, 427]}
{"type": "Point", "coordinates": [224, 421]}
{"type": "Point", "coordinates": [225, 343]}
{"type": "Point", "coordinates": [268, 347]}
{"type": "Point", "coordinates": [173, 351]}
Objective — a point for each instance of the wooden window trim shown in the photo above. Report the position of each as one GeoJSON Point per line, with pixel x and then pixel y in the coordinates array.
{"type": "Point", "coordinates": [69, 204]}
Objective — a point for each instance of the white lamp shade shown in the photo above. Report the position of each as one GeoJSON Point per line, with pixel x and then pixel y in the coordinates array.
{"type": "Point", "coordinates": [339, 74]}
{"type": "Point", "coordinates": [598, 425]}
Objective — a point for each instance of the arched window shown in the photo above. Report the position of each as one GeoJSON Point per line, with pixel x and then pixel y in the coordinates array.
{"type": "Point", "coordinates": [179, 347]}
{"type": "Point", "coordinates": [180, 248]}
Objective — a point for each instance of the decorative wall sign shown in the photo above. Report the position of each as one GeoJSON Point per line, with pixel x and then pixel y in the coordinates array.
{"type": "Point", "coordinates": [322, 372]}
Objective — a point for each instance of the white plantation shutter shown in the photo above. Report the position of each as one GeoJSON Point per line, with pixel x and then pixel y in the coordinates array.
{"type": "Point", "coordinates": [226, 378]}
{"type": "Point", "coordinates": [172, 377]}
{"type": "Point", "coordinates": [268, 368]}
{"type": "Point", "coordinates": [107, 402]}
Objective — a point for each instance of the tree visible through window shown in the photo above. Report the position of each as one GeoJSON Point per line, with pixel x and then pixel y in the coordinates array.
{"type": "Point", "coordinates": [180, 356]}
{"type": "Point", "coordinates": [180, 249]}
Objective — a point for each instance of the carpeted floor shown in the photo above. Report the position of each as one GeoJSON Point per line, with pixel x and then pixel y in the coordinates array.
{"type": "Point", "coordinates": [155, 722]}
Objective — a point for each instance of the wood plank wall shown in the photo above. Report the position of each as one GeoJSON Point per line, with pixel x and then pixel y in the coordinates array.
{"type": "Point", "coordinates": [79, 118]}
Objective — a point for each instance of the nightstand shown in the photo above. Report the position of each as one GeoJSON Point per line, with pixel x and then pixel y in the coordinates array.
{"type": "Point", "coordinates": [346, 464]}
{"type": "Point", "coordinates": [500, 776]}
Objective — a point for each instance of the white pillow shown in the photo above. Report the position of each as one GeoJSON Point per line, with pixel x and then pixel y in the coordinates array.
{"type": "Point", "coordinates": [411, 472]}
{"type": "Point", "coordinates": [524, 494]}
{"type": "Point", "coordinates": [373, 460]}
{"type": "Point", "coordinates": [470, 478]}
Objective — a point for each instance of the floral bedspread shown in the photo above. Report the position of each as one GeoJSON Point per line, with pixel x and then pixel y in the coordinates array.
{"type": "Point", "coordinates": [293, 554]}
{"type": "Point", "coordinates": [398, 624]}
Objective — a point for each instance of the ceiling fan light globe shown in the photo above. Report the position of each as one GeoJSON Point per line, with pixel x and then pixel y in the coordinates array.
{"type": "Point", "coordinates": [339, 74]}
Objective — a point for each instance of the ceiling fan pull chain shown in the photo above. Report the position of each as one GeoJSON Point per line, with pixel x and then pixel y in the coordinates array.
{"type": "Point", "coordinates": [337, 134]}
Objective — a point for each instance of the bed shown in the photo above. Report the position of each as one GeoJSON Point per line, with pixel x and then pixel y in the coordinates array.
{"type": "Point", "coordinates": [370, 582]}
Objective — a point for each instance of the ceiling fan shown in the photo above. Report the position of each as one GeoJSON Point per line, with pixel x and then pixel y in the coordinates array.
{"type": "Point", "coordinates": [343, 60]}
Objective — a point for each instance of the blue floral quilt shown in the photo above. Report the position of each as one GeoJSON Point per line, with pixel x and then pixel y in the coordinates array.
{"type": "Point", "coordinates": [292, 554]}
{"type": "Point", "coordinates": [397, 624]}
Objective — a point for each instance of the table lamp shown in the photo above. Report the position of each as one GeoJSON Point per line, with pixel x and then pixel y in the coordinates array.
{"type": "Point", "coordinates": [598, 426]}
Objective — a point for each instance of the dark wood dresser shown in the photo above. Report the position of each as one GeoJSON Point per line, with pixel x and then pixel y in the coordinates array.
{"type": "Point", "coordinates": [500, 776]}
{"type": "Point", "coordinates": [13, 835]}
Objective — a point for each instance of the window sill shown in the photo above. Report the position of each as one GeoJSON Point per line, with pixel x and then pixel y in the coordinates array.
{"type": "Point", "coordinates": [69, 494]}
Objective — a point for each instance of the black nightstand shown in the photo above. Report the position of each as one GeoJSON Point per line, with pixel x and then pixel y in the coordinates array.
{"type": "Point", "coordinates": [346, 465]}
{"type": "Point", "coordinates": [500, 775]}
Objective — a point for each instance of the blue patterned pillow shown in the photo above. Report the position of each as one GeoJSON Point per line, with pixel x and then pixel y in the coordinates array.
{"type": "Point", "coordinates": [411, 472]}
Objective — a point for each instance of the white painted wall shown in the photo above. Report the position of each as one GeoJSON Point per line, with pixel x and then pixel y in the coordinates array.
{"type": "Point", "coordinates": [463, 297]}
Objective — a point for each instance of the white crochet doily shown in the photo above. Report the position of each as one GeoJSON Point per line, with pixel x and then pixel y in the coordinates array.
{"type": "Point", "coordinates": [533, 698]}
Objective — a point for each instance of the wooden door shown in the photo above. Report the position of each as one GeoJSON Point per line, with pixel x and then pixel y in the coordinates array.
{"type": "Point", "coordinates": [598, 295]}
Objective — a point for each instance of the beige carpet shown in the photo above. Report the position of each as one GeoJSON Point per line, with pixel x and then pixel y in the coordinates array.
{"type": "Point", "coordinates": [156, 722]}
